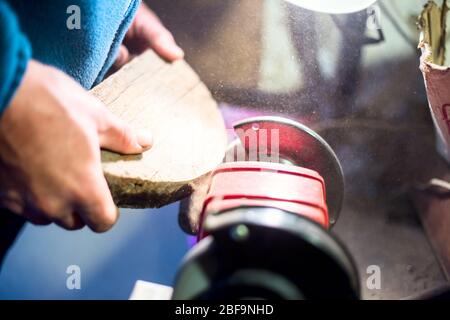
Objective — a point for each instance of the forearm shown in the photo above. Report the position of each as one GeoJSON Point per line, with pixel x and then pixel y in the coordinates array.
{"type": "Point", "coordinates": [15, 51]}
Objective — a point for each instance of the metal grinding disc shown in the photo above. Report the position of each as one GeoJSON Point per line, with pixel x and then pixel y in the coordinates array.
{"type": "Point", "coordinates": [299, 146]}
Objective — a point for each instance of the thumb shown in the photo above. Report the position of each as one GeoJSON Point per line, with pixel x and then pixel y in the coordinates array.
{"type": "Point", "coordinates": [121, 138]}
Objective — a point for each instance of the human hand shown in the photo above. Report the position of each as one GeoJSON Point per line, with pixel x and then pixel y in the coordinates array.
{"type": "Point", "coordinates": [147, 32]}
{"type": "Point", "coordinates": [50, 139]}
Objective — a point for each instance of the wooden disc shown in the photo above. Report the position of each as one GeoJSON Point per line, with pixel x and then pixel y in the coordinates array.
{"type": "Point", "coordinates": [189, 133]}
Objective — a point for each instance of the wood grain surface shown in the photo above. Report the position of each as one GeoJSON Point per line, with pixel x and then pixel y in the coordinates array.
{"type": "Point", "coordinates": [189, 134]}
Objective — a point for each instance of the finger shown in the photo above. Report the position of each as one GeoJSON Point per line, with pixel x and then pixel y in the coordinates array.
{"type": "Point", "coordinates": [97, 209]}
{"type": "Point", "coordinates": [30, 215]}
{"type": "Point", "coordinates": [12, 203]}
{"type": "Point", "coordinates": [119, 137]}
{"type": "Point", "coordinates": [152, 34]}
{"type": "Point", "coordinates": [165, 46]}
{"type": "Point", "coordinates": [15, 203]}
{"type": "Point", "coordinates": [55, 211]}
{"type": "Point", "coordinates": [69, 221]}
{"type": "Point", "coordinates": [37, 219]}
{"type": "Point", "coordinates": [123, 56]}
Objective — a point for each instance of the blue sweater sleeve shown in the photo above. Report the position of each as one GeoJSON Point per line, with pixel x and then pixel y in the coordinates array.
{"type": "Point", "coordinates": [15, 51]}
{"type": "Point", "coordinates": [85, 53]}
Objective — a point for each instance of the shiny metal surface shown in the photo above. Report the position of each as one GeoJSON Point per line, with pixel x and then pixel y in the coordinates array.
{"type": "Point", "coordinates": [298, 145]}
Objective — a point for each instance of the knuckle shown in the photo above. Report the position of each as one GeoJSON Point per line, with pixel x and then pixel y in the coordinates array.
{"type": "Point", "coordinates": [51, 207]}
{"type": "Point", "coordinates": [126, 136]}
{"type": "Point", "coordinates": [104, 222]}
{"type": "Point", "coordinates": [67, 225]}
{"type": "Point", "coordinates": [57, 211]}
{"type": "Point", "coordinates": [37, 220]}
{"type": "Point", "coordinates": [163, 36]}
{"type": "Point", "coordinates": [107, 218]}
{"type": "Point", "coordinates": [13, 203]}
{"type": "Point", "coordinates": [98, 215]}
{"type": "Point", "coordinates": [73, 223]}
